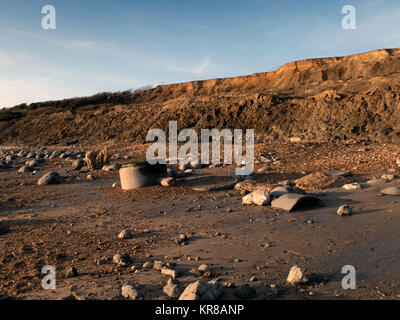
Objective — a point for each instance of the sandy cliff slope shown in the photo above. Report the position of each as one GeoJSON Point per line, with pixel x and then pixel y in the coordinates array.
{"type": "Point", "coordinates": [318, 99]}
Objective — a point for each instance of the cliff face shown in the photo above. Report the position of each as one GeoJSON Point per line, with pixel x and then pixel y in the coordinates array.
{"type": "Point", "coordinates": [319, 99]}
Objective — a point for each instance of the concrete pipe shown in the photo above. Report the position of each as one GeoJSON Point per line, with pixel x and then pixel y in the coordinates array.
{"type": "Point", "coordinates": [139, 176]}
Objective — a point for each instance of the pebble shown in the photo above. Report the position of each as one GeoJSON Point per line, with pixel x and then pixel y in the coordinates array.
{"type": "Point", "coordinates": [168, 182]}
{"type": "Point", "coordinates": [71, 272]}
{"type": "Point", "coordinates": [131, 292]}
{"type": "Point", "coordinates": [125, 234]}
{"type": "Point", "coordinates": [344, 210]}
{"type": "Point", "coordinates": [295, 276]}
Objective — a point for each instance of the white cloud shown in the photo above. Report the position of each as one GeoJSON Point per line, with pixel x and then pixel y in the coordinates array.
{"type": "Point", "coordinates": [199, 69]}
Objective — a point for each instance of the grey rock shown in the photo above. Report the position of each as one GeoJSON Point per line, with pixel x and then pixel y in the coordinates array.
{"type": "Point", "coordinates": [172, 290]}
{"type": "Point", "coordinates": [50, 178]}
{"type": "Point", "coordinates": [125, 234]}
{"type": "Point", "coordinates": [344, 210]}
{"type": "Point", "coordinates": [391, 191]}
{"type": "Point", "coordinates": [71, 272]}
{"type": "Point", "coordinates": [3, 228]}
{"type": "Point", "coordinates": [200, 290]}
{"type": "Point", "coordinates": [245, 292]}
{"type": "Point", "coordinates": [78, 164]}
{"type": "Point", "coordinates": [111, 167]}
{"type": "Point", "coordinates": [123, 259]}
{"type": "Point", "coordinates": [25, 169]}
{"type": "Point", "coordinates": [131, 292]}
{"type": "Point", "coordinates": [293, 201]}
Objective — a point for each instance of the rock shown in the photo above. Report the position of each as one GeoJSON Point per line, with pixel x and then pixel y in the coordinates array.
{"type": "Point", "coordinates": [131, 292]}
{"type": "Point", "coordinates": [295, 276]}
{"type": "Point", "coordinates": [352, 186]}
{"type": "Point", "coordinates": [122, 260]}
{"type": "Point", "coordinates": [375, 181]}
{"type": "Point", "coordinates": [245, 292]}
{"type": "Point", "coordinates": [168, 182]}
{"type": "Point", "coordinates": [170, 272]}
{"type": "Point", "coordinates": [387, 176]}
{"type": "Point", "coordinates": [157, 265]}
{"type": "Point", "coordinates": [184, 166]}
{"type": "Point", "coordinates": [295, 139]}
{"type": "Point", "coordinates": [3, 228]}
{"type": "Point", "coordinates": [32, 163]}
{"type": "Point", "coordinates": [259, 197]}
{"type": "Point", "coordinates": [78, 164]}
{"type": "Point", "coordinates": [125, 234]}
{"type": "Point", "coordinates": [336, 173]}
{"type": "Point", "coordinates": [71, 272]}
{"type": "Point", "coordinates": [281, 190]}
{"type": "Point", "coordinates": [292, 201]}
{"type": "Point", "coordinates": [97, 161]}
{"type": "Point", "coordinates": [111, 167]}
{"type": "Point", "coordinates": [265, 169]}
{"type": "Point", "coordinates": [31, 155]}
{"type": "Point", "coordinates": [90, 177]}
{"type": "Point", "coordinates": [49, 178]}
{"type": "Point", "coordinates": [171, 173]}
{"type": "Point", "coordinates": [391, 191]}
{"type": "Point", "coordinates": [344, 210]}
{"type": "Point", "coordinates": [200, 290]}
{"type": "Point", "coordinates": [172, 290]}
{"type": "Point", "coordinates": [253, 279]}
{"type": "Point", "coordinates": [204, 268]}
{"type": "Point", "coordinates": [147, 265]}
{"type": "Point", "coordinates": [26, 169]}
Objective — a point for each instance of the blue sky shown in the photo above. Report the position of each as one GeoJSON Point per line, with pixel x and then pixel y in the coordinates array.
{"type": "Point", "coordinates": [118, 45]}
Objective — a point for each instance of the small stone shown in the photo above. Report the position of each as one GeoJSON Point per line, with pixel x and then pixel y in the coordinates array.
{"type": "Point", "coordinates": [295, 276]}
{"type": "Point", "coordinates": [122, 260]}
{"type": "Point", "coordinates": [387, 176]}
{"type": "Point", "coordinates": [125, 234]}
{"type": "Point", "coordinates": [253, 279]}
{"type": "Point", "coordinates": [168, 182]}
{"type": "Point", "coordinates": [147, 265]}
{"type": "Point", "coordinates": [78, 164]}
{"type": "Point", "coordinates": [90, 177]}
{"type": "Point", "coordinates": [259, 197]}
{"type": "Point", "coordinates": [245, 292]}
{"type": "Point", "coordinates": [352, 186]}
{"type": "Point", "coordinates": [172, 290]}
{"type": "Point", "coordinates": [25, 169]}
{"type": "Point", "coordinates": [157, 265]}
{"type": "Point", "coordinates": [203, 268]}
{"type": "Point", "coordinates": [130, 292]}
{"type": "Point", "coordinates": [71, 272]}
{"type": "Point", "coordinates": [111, 167]}
{"type": "Point", "coordinates": [344, 210]}
{"type": "Point", "coordinates": [170, 272]}
{"type": "Point", "coordinates": [3, 228]}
